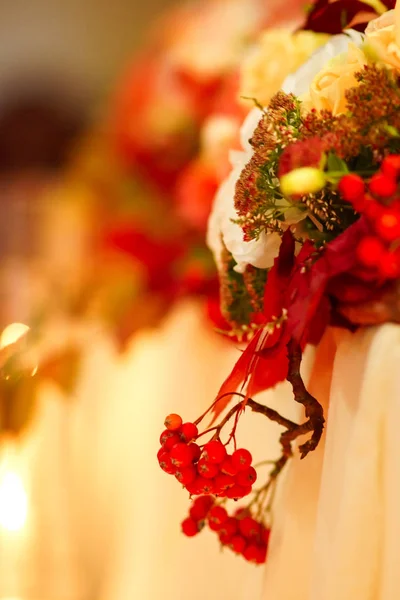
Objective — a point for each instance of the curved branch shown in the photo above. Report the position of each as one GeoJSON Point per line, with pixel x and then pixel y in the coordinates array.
{"type": "Point", "coordinates": [313, 409]}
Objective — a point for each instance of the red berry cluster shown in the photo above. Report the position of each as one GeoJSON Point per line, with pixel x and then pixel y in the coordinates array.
{"type": "Point", "coordinates": [380, 204]}
{"type": "Point", "coordinates": [204, 470]}
{"type": "Point", "coordinates": [240, 532]}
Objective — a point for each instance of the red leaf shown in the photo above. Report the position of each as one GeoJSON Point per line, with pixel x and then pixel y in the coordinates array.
{"type": "Point", "coordinates": [278, 277]}
{"type": "Point", "coordinates": [263, 363]}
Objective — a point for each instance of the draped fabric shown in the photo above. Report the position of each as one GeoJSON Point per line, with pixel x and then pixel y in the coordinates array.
{"type": "Point", "coordinates": [337, 525]}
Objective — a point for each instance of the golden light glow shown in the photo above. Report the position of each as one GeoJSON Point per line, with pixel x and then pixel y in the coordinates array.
{"type": "Point", "coordinates": [13, 501]}
{"type": "Point", "coordinates": [12, 333]}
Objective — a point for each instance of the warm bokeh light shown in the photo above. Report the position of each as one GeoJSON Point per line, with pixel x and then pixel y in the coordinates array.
{"type": "Point", "coordinates": [12, 333]}
{"type": "Point", "coordinates": [13, 502]}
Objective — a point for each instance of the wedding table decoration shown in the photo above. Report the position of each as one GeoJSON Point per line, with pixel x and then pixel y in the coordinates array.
{"type": "Point", "coordinates": [305, 232]}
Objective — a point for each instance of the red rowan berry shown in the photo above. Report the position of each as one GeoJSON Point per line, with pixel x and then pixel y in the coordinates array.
{"type": "Point", "coordinates": [237, 491]}
{"type": "Point", "coordinates": [190, 527]}
{"type": "Point", "coordinates": [370, 251]}
{"type": "Point", "coordinates": [186, 475]}
{"type": "Point", "coordinates": [205, 486]}
{"type": "Point", "coordinates": [223, 483]}
{"type": "Point", "coordinates": [227, 530]}
{"type": "Point", "coordinates": [192, 488]}
{"type": "Point", "coordinates": [249, 527]}
{"type": "Point", "coordinates": [382, 185]}
{"type": "Point", "coordinates": [173, 422]}
{"type": "Point", "coordinates": [207, 469]}
{"type": "Point", "coordinates": [261, 556]}
{"type": "Point", "coordinates": [251, 553]}
{"type": "Point", "coordinates": [238, 544]}
{"type": "Point", "coordinates": [201, 507]}
{"type": "Point", "coordinates": [391, 166]}
{"type": "Point", "coordinates": [246, 490]}
{"type": "Point", "coordinates": [165, 436]}
{"type": "Point", "coordinates": [352, 188]}
{"type": "Point", "coordinates": [188, 432]}
{"type": "Point", "coordinates": [165, 462]}
{"type": "Point", "coordinates": [171, 441]}
{"type": "Point", "coordinates": [241, 459]}
{"type": "Point", "coordinates": [228, 467]}
{"type": "Point", "coordinates": [195, 450]}
{"type": "Point", "coordinates": [180, 454]}
{"type": "Point", "coordinates": [214, 452]}
{"type": "Point", "coordinates": [216, 517]}
{"type": "Point", "coordinates": [388, 225]}
{"type": "Point", "coordinates": [372, 208]}
{"type": "Point", "coordinates": [246, 477]}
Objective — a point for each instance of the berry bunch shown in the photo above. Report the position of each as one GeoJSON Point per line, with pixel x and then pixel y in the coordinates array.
{"type": "Point", "coordinates": [240, 532]}
{"type": "Point", "coordinates": [380, 204]}
{"type": "Point", "coordinates": [207, 469]}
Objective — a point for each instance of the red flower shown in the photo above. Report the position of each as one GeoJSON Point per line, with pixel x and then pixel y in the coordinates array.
{"type": "Point", "coordinates": [156, 256]}
{"type": "Point", "coordinates": [332, 17]}
{"type": "Point", "coordinates": [195, 192]}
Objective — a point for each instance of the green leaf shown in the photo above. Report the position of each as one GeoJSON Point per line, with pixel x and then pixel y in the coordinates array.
{"type": "Point", "coordinates": [336, 164]}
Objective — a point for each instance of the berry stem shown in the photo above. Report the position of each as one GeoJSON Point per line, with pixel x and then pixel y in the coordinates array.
{"type": "Point", "coordinates": [270, 413]}
{"type": "Point", "coordinates": [266, 493]}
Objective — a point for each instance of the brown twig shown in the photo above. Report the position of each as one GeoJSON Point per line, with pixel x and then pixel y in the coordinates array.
{"type": "Point", "coordinates": [273, 415]}
{"type": "Point", "coordinates": [291, 427]}
{"type": "Point", "coordinates": [313, 409]}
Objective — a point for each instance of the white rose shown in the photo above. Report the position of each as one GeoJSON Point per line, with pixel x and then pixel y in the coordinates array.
{"type": "Point", "coordinates": [222, 230]}
{"type": "Point", "coordinates": [221, 227]}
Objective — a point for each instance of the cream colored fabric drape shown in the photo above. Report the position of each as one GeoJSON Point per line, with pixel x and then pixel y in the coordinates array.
{"type": "Point", "coordinates": [337, 534]}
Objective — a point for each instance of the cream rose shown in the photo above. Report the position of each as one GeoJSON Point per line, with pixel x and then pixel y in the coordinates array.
{"type": "Point", "coordinates": [383, 35]}
{"type": "Point", "coordinates": [278, 53]}
{"type": "Point", "coordinates": [327, 90]}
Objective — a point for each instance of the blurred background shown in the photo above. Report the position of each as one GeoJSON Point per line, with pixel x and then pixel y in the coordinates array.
{"type": "Point", "coordinates": [76, 48]}
{"type": "Point", "coordinates": [105, 286]}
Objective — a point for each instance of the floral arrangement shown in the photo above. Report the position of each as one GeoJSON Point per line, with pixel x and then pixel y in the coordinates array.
{"type": "Point", "coordinates": [306, 234]}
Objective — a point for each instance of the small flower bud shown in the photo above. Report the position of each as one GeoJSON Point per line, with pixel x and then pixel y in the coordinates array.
{"type": "Point", "coordinates": [306, 180]}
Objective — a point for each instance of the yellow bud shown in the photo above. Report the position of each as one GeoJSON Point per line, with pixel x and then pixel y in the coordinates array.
{"type": "Point", "coordinates": [306, 180]}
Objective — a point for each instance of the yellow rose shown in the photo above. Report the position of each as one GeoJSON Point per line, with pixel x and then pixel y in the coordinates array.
{"type": "Point", "coordinates": [327, 91]}
{"type": "Point", "coordinates": [382, 35]}
{"type": "Point", "coordinates": [279, 53]}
